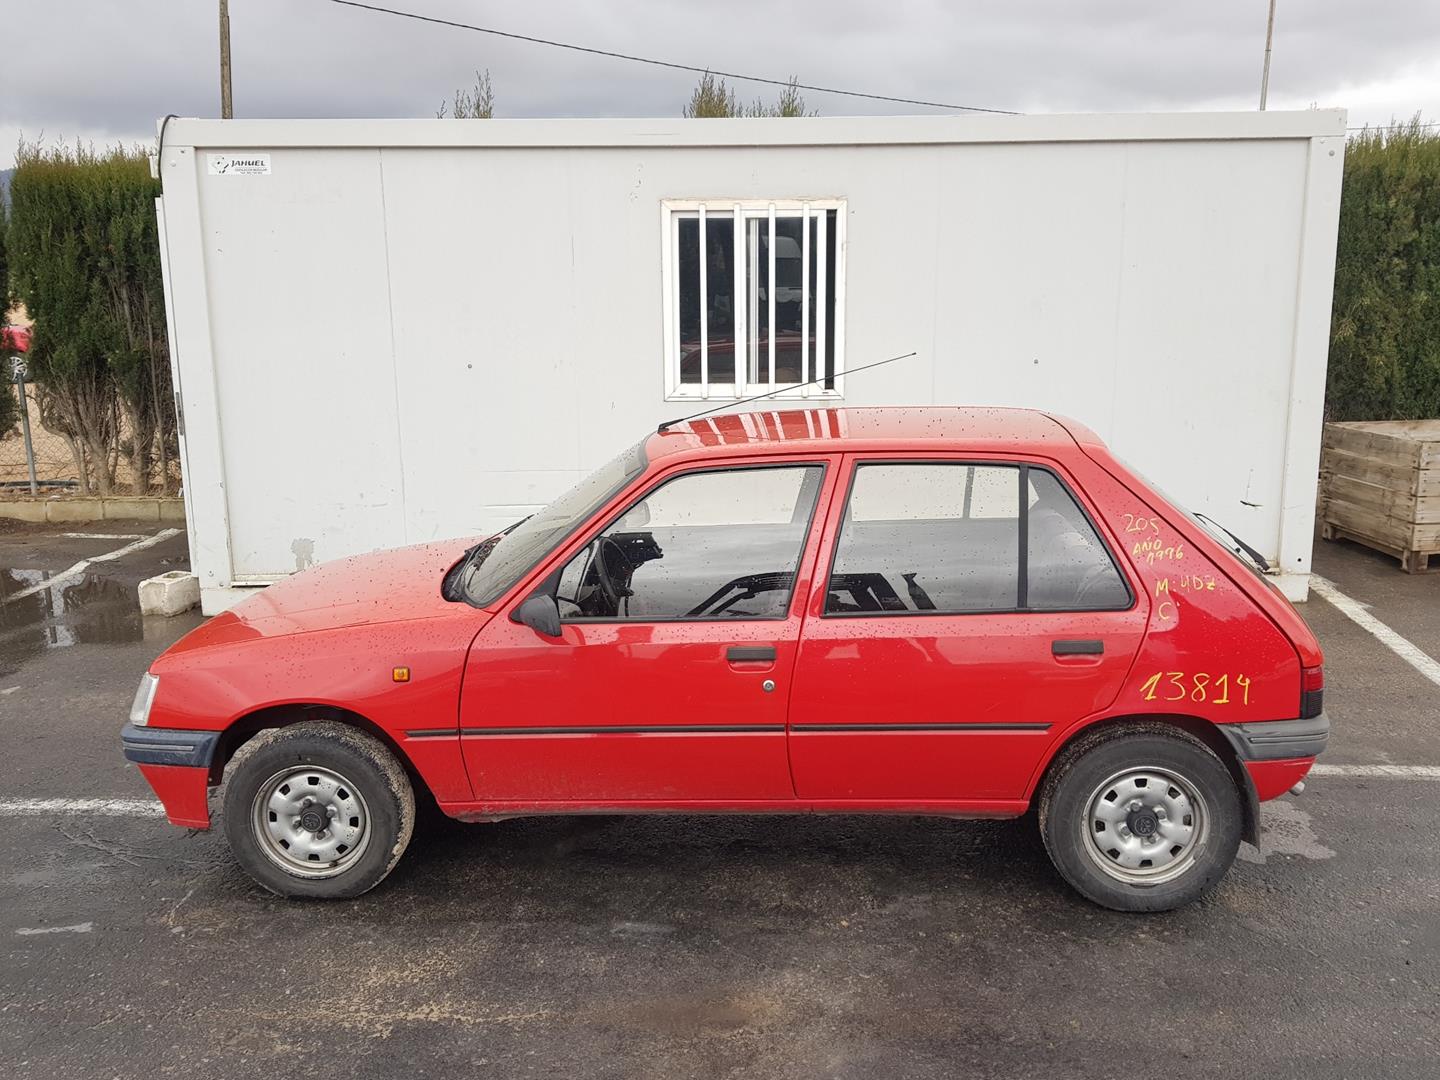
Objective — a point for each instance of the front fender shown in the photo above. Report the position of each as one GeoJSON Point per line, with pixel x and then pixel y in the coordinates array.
{"type": "Point", "coordinates": [350, 670]}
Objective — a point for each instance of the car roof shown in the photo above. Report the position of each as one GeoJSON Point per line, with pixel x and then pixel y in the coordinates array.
{"type": "Point", "coordinates": [919, 428]}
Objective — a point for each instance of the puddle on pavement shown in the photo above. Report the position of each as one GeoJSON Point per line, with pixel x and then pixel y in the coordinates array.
{"type": "Point", "coordinates": [87, 610]}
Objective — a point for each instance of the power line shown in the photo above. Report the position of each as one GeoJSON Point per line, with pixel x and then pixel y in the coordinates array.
{"type": "Point", "coordinates": [664, 63]}
{"type": "Point", "coordinates": [1392, 127]}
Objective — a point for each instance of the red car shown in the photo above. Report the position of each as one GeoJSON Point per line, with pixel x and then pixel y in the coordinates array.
{"type": "Point", "coordinates": [968, 612]}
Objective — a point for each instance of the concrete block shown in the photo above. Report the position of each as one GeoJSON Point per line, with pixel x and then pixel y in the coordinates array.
{"type": "Point", "coordinates": [78, 509]}
{"type": "Point", "coordinates": [169, 594]}
{"type": "Point", "coordinates": [32, 510]}
{"type": "Point", "coordinates": [130, 508]}
{"type": "Point", "coordinates": [82, 508]}
{"type": "Point", "coordinates": [72, 509]}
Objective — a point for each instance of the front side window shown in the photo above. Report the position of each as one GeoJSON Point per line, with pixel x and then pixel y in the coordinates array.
{"type": "Point", "coordinates": [947, 538]}
{"type": "Point", "coordinates": [753, 297]}
{"type": "Point", "coordinates": [718, 544]}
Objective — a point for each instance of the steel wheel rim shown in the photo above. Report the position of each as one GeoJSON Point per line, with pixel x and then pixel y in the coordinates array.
{"type": "Point", "coordinates": [1120, 814]}
{"type": "Point", "coordinates": [310, 822]}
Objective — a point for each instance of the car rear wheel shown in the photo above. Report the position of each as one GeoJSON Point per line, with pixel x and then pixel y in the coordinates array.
{"type": "Point", "coordinates": [1141, 818]}
{"type": "Point", "coordinates": [317, 810]}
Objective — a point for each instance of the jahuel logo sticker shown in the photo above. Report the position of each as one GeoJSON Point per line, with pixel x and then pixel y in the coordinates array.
{"type": "Point", "coordinates": [239, 164]}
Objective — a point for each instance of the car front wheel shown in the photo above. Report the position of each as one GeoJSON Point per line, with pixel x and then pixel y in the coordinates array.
{"type": "Point", "coordinates": [317, 810]}
{"type": "Point", "coordinates": [1141, 819]}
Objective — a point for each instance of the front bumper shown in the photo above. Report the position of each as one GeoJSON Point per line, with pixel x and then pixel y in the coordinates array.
{"type": "Point", "coordinates": [176, 764]}
{"type": "Point", "coordinates": [165, 746]}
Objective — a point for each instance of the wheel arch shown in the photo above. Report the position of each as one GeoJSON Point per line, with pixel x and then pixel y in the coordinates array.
{"type": "Point", "coordinates": [246, 727]}
{"type": "Point", "coordinates": [1198, 727]}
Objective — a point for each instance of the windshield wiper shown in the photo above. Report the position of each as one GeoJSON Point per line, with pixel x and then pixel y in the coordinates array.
{"type": "Point", "coordinates": [459, 577]}
{"type": "Point", "coordinates": [1259, 560]}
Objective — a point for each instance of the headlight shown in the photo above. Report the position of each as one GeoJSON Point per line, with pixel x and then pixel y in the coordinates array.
{"type": "Point", "coordinates": [144, 698]}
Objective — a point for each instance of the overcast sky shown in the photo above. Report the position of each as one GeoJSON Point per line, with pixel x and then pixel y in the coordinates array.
{"type": "Point", "coordinates": [103, 71]}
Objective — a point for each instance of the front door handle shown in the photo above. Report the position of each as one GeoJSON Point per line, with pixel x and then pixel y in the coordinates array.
{"type": "Point", "coordinates": [1077, 647]}
{"type": "Point", "coordinates": [750, 654]}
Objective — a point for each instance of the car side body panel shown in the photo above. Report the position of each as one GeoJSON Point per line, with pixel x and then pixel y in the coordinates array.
{"type": "Point", "coordinates": [496, 719]}
{"type": "Point", "coordinates": [640, 711]}
{"type": "Point", "coordinates": [1209, 652]}
{"type": "Point", "coordinates": [946, 706]}
{"type": "Point", "coordinates": [1206, 633]}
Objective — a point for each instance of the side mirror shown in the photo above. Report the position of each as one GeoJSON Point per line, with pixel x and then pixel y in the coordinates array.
{"type": "Point", "coordinates": [540, 612]}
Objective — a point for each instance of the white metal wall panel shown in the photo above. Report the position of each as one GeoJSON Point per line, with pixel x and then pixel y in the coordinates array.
{"type": "Point", "coordinates": [420, 329]}
{"type": "Point", "coordinates": [296, 268]}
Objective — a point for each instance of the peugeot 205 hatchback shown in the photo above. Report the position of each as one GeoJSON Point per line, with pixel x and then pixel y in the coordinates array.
{"type": "Point", "coordinates": [968, 612]}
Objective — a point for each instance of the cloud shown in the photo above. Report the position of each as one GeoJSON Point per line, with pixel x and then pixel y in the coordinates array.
{"type": "Point", "coordinates": [124, 65]}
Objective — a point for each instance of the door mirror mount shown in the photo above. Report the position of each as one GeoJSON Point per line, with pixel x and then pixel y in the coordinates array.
{"type": "Point", "coordinates": [540, 612]}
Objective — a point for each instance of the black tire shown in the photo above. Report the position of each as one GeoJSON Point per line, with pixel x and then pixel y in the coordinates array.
{"type": "Point", "coordinates": [1122, 754]}
{"type": "Point", "coordinates": [373, 781]}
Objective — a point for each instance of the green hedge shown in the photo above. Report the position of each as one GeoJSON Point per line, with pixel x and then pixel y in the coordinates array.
{"type": "Point", "coordinates": [1385, 330]}
{"type": "Point", "coordinates": [9, 403]}
{"type": "Point", "coordinates": [85, 258]}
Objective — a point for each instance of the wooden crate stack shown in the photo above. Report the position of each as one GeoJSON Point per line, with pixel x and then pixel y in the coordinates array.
{"type": "Point", "coordinates": [1380, 486]}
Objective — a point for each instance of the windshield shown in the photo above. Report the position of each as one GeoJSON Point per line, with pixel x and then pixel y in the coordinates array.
{"type": "Point", "coordinates": [494, 565]}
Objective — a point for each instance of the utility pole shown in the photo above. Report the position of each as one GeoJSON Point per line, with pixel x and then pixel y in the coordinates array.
{"type": "Point", "coordinates": [227, 108]}
{"type": "Point", "coordinates": [17, 374]}
{"type": "Point", "coordinates": [1264, 78]}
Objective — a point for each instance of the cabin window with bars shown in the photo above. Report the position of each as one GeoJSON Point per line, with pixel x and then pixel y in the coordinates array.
{"type": "Point", "coordinates": [754, 298]}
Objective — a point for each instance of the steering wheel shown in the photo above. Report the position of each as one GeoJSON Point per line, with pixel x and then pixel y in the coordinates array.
{"type": "Point", "coordinates": [608, 553]}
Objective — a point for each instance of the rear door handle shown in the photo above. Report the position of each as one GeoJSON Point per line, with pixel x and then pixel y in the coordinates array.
{"type": "Point", "coordinates": [1077, 647]}
{"type": "Point", "coordinates": [750, 654]}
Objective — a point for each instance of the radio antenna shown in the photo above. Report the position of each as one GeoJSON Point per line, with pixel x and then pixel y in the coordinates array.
{"type": "Point", "coordinates": [761, 397]}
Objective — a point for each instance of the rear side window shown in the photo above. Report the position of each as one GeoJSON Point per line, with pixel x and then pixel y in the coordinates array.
{"type": "Point", "coordinates": [1069, 568]}
{"type": "Point", "coordinates": [956, 538]}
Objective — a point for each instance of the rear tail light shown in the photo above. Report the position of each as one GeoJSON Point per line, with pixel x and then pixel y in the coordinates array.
{"type": "Point", "coordinates": [1312, 692]}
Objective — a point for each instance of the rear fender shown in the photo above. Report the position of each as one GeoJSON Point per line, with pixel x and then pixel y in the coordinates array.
{"type": "Point", "coordinates": [1201, 729]}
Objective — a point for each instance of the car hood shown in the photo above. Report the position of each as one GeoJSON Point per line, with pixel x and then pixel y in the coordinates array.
{"type": "Point", "coordinates": [383, 587]}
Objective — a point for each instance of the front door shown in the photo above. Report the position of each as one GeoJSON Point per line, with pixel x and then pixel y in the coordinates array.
{"type": "Point", "coordinates": [971, 609]}
{"type": "Point", "coordinates": [679, 632]}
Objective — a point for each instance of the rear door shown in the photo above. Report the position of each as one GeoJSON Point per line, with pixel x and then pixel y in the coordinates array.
{"type": "Point", "coordinates": [963, 610]}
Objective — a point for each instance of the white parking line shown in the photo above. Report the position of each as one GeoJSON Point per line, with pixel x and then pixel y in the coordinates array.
{"type": "Point", "coordinates": [96, 807]}
{"type": "Point", "coordinates": [102, 536]}
{"type": "Point", "coordinates": [1355, 611]}
{"type": "Point", "coordinates": [84, 564]}
{"type": "Point", "coordinates": [1408, 772]}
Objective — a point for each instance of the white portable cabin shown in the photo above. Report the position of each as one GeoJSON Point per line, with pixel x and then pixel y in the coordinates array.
{"type": "Point", "coordinates": [389, 331]}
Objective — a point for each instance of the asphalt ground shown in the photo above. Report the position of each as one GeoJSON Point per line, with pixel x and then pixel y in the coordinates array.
{"type": "Point", "coordinates": [672, 947]}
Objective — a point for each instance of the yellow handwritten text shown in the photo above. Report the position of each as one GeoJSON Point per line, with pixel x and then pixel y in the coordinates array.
{"type": "Point", "coordinates": [1156, 550]}
{"type": "Point", "coordinates": [1139, 523]}
{"type": "Point", "coordinates": [1198, 687]}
